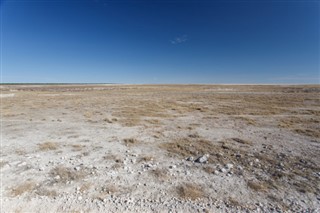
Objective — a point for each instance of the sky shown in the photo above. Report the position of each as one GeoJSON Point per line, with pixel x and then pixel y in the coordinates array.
{"type": "Point", "coordinates": [160, 41]}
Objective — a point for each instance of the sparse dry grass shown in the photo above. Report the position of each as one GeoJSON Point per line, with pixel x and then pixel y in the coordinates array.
{"type": "Point", "coordinates": [208, 169]}
{"type": "Point", "coordinates": [190, 191]}
{"type": "Point", "coordinates": [105, 191]}
{"type": "Point", "coordinates": [145, 158]}
{"type": "Point", "coordinates": [88, 114]}
{"type": "Point", "coordinates": [77, 147]}
{"type": "Point", "coordinates": [47, 146]}
{"type": "Point", "coordinates": [43, 191]}
{"type": "Point", "coordinates": [20, 152]}
{"type": "Point", "coordinates": [234, 201]}
{"type": "Point", "coordinates": [115, 158]}
{"type": "Point", "coordinates": [110, 120]}
{"type": "Point", "coordinates": [307, 126]}
{"type": "Point", "coordinates": [247, 120]}
{"type": "Point", "coordinates": [185, 147]}
{"type": "Point", "coordinates": [242, 141]}
{"type": "Point", "coordinates": [314, 133]}
{"type": "Point", "coordinates": [130, 141]}
{"type": "Point", "coordinates": [160, 174]}
{"type": "Point", "coordinates": [23, 188]}
{"type": "Point", "coordinates": [293, 108]}
{"type": "Point", "coordinates": [85, 187]}
{"type": "Point", "coordinates": [3, 163]}
{"type": "Point", "coordinates": [257, 186]}
{"type": "Point", "coordinates": [66, 174]}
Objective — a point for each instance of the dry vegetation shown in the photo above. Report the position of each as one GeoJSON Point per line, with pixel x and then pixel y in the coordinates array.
{"type": "Point", "coordinates": [308, 126]}
{"type": "Point", "coordinates": [146, 158]}
{"type": "Point", "coordinates": [43, 191]}
{"type": "Point", "coordinates": [47, 146]}
{"type": "Point", "coordinates": [185, 147]}
{"type": "Point", "coordinates": [270, 134]}
{"type": "Point", "coordinates": [77, 147]}
{"type": "Point", "coordinates": [160, 174]}
{"type": "Point", "coordinates": [257, 186]}
{"type": "Point", "coordinates": [108, 189]}
{"type": "Point", "coordinates": [3, 163]}
{"type": "Point", "coordinates": [130, 141]}
{"type": "Point", "coordinates": [62, 174]}
{"type": "Point", "coordinates": [190, 191]}
{"type": "Point", "coordinates": [25, 187]}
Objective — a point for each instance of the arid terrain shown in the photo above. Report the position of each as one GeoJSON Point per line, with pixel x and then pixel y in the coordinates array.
{"type": "Point", "coordinates": [160, 148]}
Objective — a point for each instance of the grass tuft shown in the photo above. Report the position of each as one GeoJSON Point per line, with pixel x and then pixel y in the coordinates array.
{"type": "Point", "coordinates": [46, 146]}
{"type": "Point", "coordinates": [190, 191]}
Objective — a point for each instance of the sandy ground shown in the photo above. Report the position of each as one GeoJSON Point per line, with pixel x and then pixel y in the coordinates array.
{"type": "Point", "coordinates": [160, 148]}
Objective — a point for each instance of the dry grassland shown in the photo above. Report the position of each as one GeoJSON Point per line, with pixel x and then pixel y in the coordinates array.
{"type": "Point", "coordinates": [136, 148]}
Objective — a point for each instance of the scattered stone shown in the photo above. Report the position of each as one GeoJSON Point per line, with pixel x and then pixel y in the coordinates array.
{"type": "Point", "coordinates": [190, 158]}
{"type": "Point", "coordinates": [77, 168]}
{"type": "Point", "coordinates": [80, 198]}
{"type": "Point", "coordinates": [229, 166]}
{"type": "Point", "coordinates": [202, 159]}
{"type": "Point", "coordinates": [147, 165]}
{"type": "Point", "coordinates": [223, 170]}
{"type": "Point", "coordinates": [22, 164]}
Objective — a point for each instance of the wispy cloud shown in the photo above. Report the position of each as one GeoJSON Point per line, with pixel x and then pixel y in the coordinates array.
{"type": "Point", "coordinates": [179, 40]}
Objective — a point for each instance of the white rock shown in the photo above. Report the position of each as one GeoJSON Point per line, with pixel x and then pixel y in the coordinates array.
{"type": "Point", "coordinates": [190, 158]}
{"type": "Point", "coordinates": [229, 166]}
{"type": "Point", "coordinates": [80, 198]}
{"type": "Point", "coordinates": [202, 159]}
{"type": "Point", "coordinates": [223, 170]}
{"type": "Point", "coordinates": [22, 164]}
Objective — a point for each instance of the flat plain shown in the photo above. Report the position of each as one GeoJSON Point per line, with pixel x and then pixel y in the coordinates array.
{"type": "Point", "coordinates": [160, 148]}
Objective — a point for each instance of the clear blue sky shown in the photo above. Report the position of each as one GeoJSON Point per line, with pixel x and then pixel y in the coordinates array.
{"type": "Point", "coordinates": [160, 41]}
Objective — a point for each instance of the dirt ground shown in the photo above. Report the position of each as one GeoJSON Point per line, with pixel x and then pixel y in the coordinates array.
{"type": "Point", "coordinates": [160, 148]}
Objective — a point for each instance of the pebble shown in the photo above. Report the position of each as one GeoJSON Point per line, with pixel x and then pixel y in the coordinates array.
{"type": "Point", "coordinates": [80, 198]}
{"type": "Point", "coordinates": [229, 166]}
{"type": "Point", "coordinates": [77, 168]}
{"type": "Point", "coordinates": [22, 164]}
{"type": "Point", "coordinates": [202, 159]}
{"type": "Point", "coordinates": [190, 158]}
{"type": "Point", "coordinates": [223, 170]}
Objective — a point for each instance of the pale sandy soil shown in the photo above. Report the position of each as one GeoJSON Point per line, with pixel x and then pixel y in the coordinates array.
{"type": "Point", "coordinates": [124, 148]}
